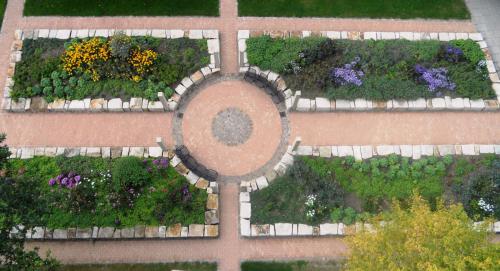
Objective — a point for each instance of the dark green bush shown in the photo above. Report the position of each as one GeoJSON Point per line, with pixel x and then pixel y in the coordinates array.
{"type": "Point", "coordinates": [483, 184]}
{"type": "Point", "coordinates": [276, 54]}
{"type": "Point", "coordinates": [472, 51]}
{"type": "Point", "coordinates": [274, 204]}
{"type": "Point", "coordinates": [129, 172]}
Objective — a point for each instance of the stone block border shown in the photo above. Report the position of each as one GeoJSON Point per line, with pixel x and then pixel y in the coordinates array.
{"type": "Point", "coordinates": [322, 104]}
{"type": "Point", "coordinates": [135, 104]}
{"type": "Point", "coordinates": [208, 230]}
{"type": "Point", "coordinates": [359, 153]}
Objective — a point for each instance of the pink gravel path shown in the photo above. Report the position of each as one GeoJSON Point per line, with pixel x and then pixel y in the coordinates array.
{"type": "Point", "coordinates": [396, 128]}
{"type": "Point", "coordinates": [318, 129]}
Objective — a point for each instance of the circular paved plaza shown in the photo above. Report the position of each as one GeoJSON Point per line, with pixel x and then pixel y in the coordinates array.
{"type": "Point", "coordinates": [233, 127]}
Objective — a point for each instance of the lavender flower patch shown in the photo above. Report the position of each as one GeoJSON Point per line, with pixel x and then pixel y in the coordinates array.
{"type": "Point", "coordinates": [68, 180]}
{"type": "Point", "coordinates": [453, 54]}
{"type": "Point", "coordinates": [348, 75]}
{"type": "Point", "coordinates": [435, 78]}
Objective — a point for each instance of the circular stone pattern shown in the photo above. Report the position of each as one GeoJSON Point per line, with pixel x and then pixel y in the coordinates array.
{"type": "Point", "coordinates": [232, 126]}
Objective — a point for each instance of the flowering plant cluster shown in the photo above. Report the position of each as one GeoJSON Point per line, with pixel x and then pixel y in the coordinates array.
{"type": "Point", "coordinates": [85, 57]}
{"type": "Point", "coordinates": [452, 53]}
{"type": "Point", "coordinates": [158, 164]}
{"type": "Point", "coordinates": [486, 207]}
{"type": "Point", "coordinates": [82, 56]}
{"type": "Point", "coordinates": [310, 204]}
{"type": "Point", "coordinates": [434, 78]}
{"type": "Point", "coordinates": [348, 75]}
{"type": "Point", "coordinates": [67, 180]}
{"type": "Point", "coordinates": [141, 60]}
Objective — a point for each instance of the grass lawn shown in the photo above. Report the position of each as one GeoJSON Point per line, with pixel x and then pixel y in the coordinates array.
{"type": "Point", "coordinates": [404, 9]}
{"type": "Point", "coordinates": [142, 267]}
{"type": "Point", "coordinates": [291, 266]}
{"type": "Point", "coordinates": [3, 5]}
{"type": "Point", "coordinates": [121, 7]}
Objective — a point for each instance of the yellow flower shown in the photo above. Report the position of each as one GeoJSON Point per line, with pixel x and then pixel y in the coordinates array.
{"type": "Point", "coordinates": [142, 60]}
{"type": "Point", "coordinates": [81, 56]}
{"type": "Point", "coordinates": [136, 78]}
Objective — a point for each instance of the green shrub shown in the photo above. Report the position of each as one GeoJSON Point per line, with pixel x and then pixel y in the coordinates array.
{"type": "Point", "coordinates": [129, 172]}
{"type": "Point", "coordinates": [120, 45]}
{"type": "Point", "coordinates": [276, 54]}
{"type": "Point", "coordinates": [480, 191]}
{"type": "Point", "coordinates": [472, 50]}
{"type": "Point", "coordinates": [273, 204]}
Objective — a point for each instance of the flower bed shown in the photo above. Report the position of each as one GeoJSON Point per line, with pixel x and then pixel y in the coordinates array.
{"type": "Point", "coordinates": [335, 186]}
{"type": "Point", "coordinates": [375, 70]}
{"type": "Point", "coordinates": [99, 70]}
{"type": "Point", "coordinates": [135, 194]}
{"type": "Point", "coordinates": [372, 70]}
{"type": "Point", "coordinates": [341, 190]}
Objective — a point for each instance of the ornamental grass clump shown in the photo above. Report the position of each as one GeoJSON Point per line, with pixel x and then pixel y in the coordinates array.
{"type": "Point", "coordinates": [348, 75]}
{"type": "Point", "coordinates": [435, 78]}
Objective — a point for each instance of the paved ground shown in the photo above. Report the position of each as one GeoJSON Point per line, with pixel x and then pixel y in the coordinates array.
{"type": "Point", "coordinates": [486, 18]}
{"type": "Point", "coordinates": [316, 129]}
{"type": "Point", "coordinates": [244, 158]}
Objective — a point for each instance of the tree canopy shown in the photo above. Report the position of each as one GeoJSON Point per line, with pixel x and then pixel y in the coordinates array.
{"type": "Point", "coordinates": [423, 239]}
{"type": "Point", "coordinates": [19, 205]}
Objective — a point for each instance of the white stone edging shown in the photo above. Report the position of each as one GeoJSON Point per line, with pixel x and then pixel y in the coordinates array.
{"type": "Point", "coordinates": [135, 104]}
{"type": "Point", "coordinates": [322, 104]}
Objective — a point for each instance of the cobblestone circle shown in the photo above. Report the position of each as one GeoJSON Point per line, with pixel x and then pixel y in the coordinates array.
{"type": "Point", "coordinates": [232, 126]}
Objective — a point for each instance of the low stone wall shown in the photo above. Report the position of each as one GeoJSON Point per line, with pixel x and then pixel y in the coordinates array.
{"type": "Point", "coordinates": [359, 153]}
{"type": "Point", "coordinates": [136, 104]}
{"type": "Point", "coordinates": [322, 104]}
{"type": "Point", "coordinates": [208, 230]}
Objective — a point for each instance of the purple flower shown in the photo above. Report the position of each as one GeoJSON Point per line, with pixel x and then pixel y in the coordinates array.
{"type": "Point", "coordinates": [156, 162]}
{"type": "Point", "coordinates": [435, 78]}
{"type": "Point", "coordinates": [452, 53]}
{"type": "Point", "coordinates": [67, 180]}
{"type": "Point", "coordinates": [347, 75]}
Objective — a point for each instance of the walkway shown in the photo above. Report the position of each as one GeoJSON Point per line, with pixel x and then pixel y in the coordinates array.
{"type": "Point", "coordinates": [228, 250]}
{"type": "Point", "coordinates": [138, 129]}
{"type": "Point", "coordinates": [486, 17]}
